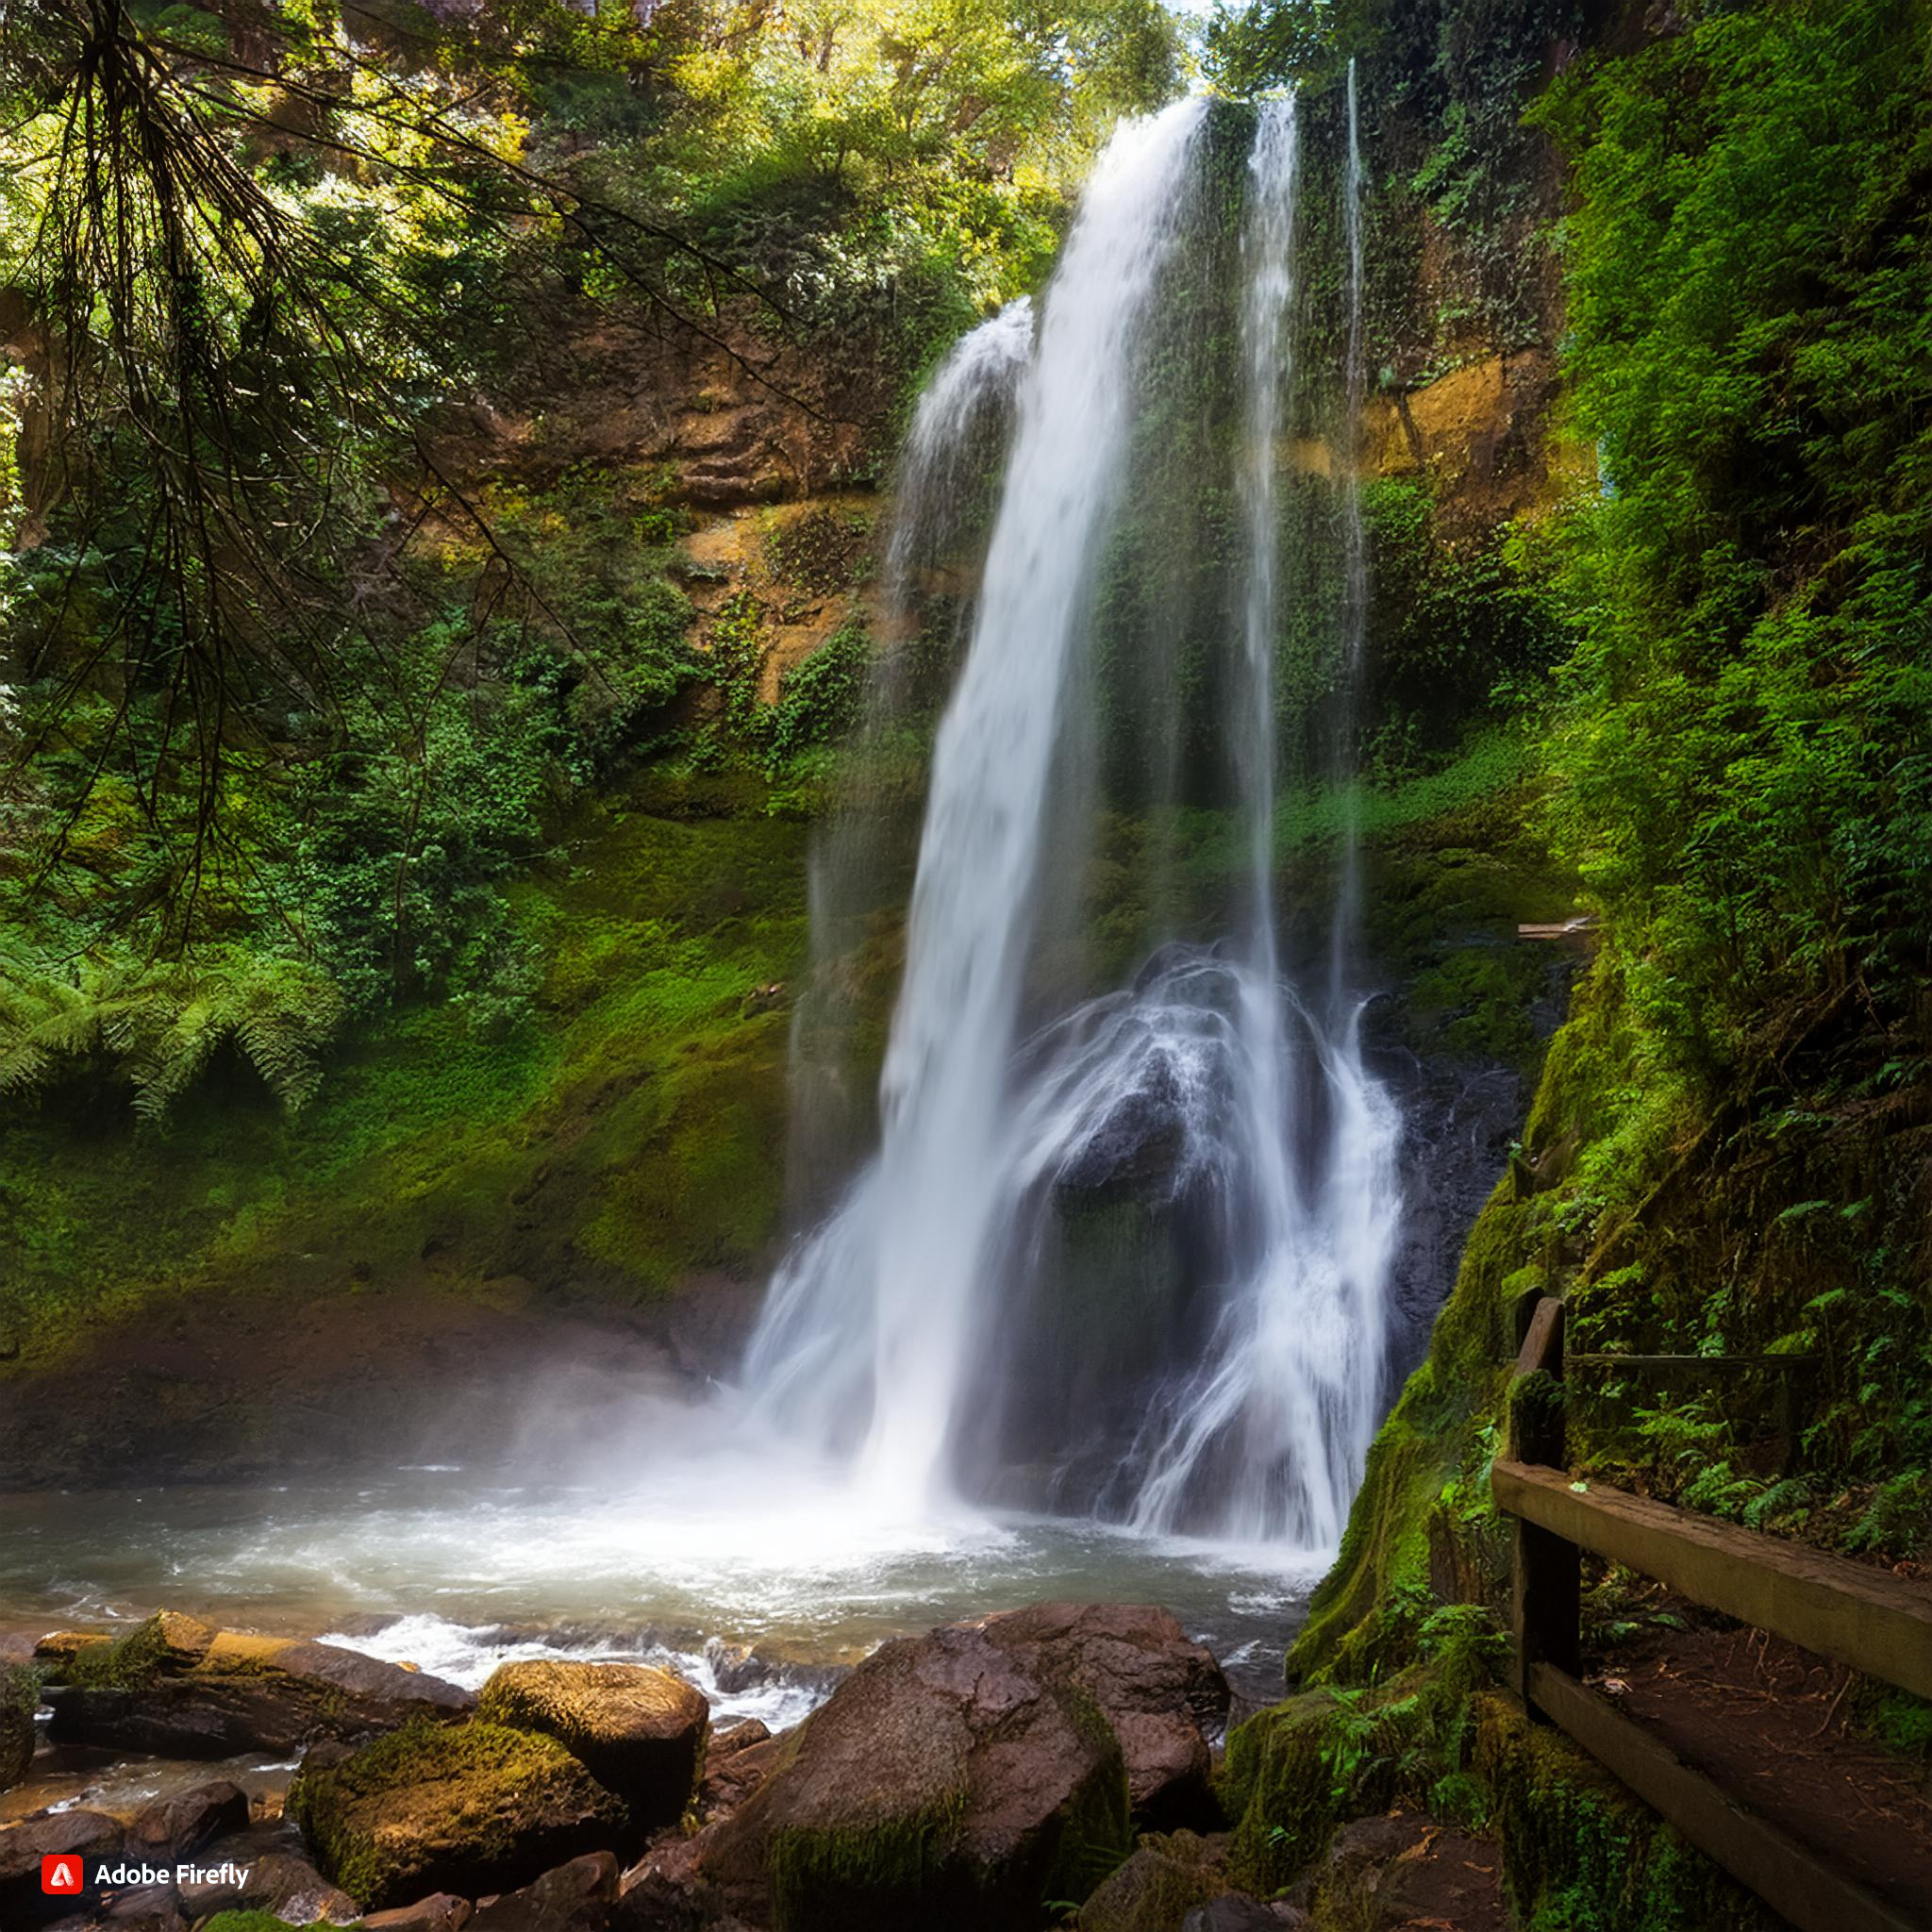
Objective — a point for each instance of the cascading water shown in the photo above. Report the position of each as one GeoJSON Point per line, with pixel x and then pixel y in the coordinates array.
{"type": "Point", "coordinates": [1132, 1263]}
{"type": "Point", "coordinates": [870, 1317]}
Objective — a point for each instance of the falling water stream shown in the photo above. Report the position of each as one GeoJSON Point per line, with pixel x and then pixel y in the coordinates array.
{"type": "Point", "coordinates": [881, 1330]}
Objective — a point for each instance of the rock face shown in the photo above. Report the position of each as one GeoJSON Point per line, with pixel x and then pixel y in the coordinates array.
{"type": "Point", "coordinates": [639, 1732]}
{"type": "Point", "coordinates": [1164, 1697]}
{"type": "Point", "coordinates": [960, 1781]}
{"type": "Point", "coordinates": [182, 1692]}
{"type": "Point", "coordinates": [468, 1809]}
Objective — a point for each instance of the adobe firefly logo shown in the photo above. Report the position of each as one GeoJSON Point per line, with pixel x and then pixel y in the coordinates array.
{"type": "Point", "coordinates": [60, 1874]}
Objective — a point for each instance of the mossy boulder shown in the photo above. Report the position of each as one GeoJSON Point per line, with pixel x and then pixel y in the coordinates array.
{"type": "Point", "coordinates": [950, 1783]}
{"type": "Point", "coordinates": [20, 1696]}
{"type": "Point", "coordinates": [639, 1732]}
{"type": "Point", "coordinates": [201, 1693]}
{"type": "Point", "coordinates": [1167, 1879]}
{"type": "Point", "coordinates": [470, 1808]}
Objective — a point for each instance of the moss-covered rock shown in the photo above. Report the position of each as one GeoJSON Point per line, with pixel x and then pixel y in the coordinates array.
{"type": "Point", "coordinates": [1165, 1879]}
{"type": "Point", "coordinates": [468, 1808]}
{"type": "Point", "coordinates": [639, 1732]}
{"type": "Point", "coordinates": [181, 1689]}
{"type": "Point", "coordinates": [20, 1697]}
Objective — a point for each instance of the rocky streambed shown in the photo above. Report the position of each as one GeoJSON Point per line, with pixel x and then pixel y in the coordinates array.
{"type": "Point", "coordinates": [1005, 1772]}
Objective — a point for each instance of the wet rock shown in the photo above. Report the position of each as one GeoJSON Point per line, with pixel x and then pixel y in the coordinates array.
{"type": "Point", "coordinates": [1165, 1880]}
{"type": "Point", "coordinates": [442, 1911]}
{"type": "Point", "coordinates": [730, 1783]}
{"type": "Point", "coordinates": [240, 1693]}
{"type": "Point", "coordinates": [1164, 1695]}
{"type": "Point", "coordinates": [951, 1783]}
{"type": "Point", "coordinates": [576, 1897]}
{"type": "Point", "coordinates": [639, 1732]}
{"type": "Point", "coordinates": [726, 1743]}
{"type": "Point", "coordinates": [292, 1890]}
{"type": "Point", "coordinates": [1238, 1911]}
{"type": "Point", "coordinates": [88, 1835]}
{"type": "Point", "coordinates": [470, 1808]}
{"type": "Point", "coordinates": [179, 1826]}
{"type": "Point", "coordinates": [213, 1882]}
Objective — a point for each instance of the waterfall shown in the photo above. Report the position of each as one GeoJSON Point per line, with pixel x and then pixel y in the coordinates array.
{"type": "Point", "coordinates": [869, 1317]}
{"type": "Point", "coordinates": [1124, 1255]}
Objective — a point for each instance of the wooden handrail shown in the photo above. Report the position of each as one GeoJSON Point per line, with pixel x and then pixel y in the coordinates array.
{"type": "Point", "coordinates": [1793, 1878]}
{"type": "Point", "coordinates": [1855, 1615]}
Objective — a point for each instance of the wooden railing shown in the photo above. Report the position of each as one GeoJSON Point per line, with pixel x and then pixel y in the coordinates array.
{"type": "Point", "coordinates": [1862, 1618]}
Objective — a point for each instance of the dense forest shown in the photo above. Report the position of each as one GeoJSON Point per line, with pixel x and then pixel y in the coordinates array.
{"type": "Point", "coordinates": [453, 629]}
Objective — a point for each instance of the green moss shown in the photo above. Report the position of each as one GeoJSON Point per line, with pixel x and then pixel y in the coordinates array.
{"type": "Point", "coordinates": [1580, 1854]}
{"type": "Point", "coordinates": [253, 1922]}
{"type": "Point", "coordinates": [638, 1110]}
{"type": "Point", "coordinates": [827, 1874]}
{"type": "Point", "coordinates": [129, 1663]}
{"type": "Point", "coordinates": [461, 1795]}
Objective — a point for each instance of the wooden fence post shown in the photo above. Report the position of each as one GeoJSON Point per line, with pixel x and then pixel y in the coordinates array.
{"type": "Point", "coordinates": [1547, 1604]}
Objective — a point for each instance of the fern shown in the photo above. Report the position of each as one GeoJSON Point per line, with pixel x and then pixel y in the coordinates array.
{"type": "Point", "coordinates": [160, 1028]}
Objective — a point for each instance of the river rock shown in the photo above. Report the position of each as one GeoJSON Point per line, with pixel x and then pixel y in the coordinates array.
{"type": "Point", "coordinates": [179, 1826]}
{"type": "Point", "coordinates": [1164, 1695]}
{"type": "Point", "coordinates": [726, 1743]}
{"type": "Point", "coordinates": [88, 1834]}
{"type": "Point", "coordinates": [291, 1889]}
{"type": "Point", "coordinates": [442, 1911]}
{"type": "Point", "coordinates": [639, 1732]}
{"type": "Point", "coordinates": [470, 1808]}
{"type": "Point", "coordinates": [156, 1690]}
{"type": "Point", "coordinates": [951, 1783]}
{"type": "Point", "coordinates": [729, 1784]}
{"type": "Point", "coordinates": [576, 1897]}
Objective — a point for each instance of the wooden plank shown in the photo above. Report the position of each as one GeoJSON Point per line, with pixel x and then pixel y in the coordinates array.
{"type": "Point", "coordinates": [1789, 1877]}
{"type": "Point", "coordinates": [1546, 1599]}
{"type": "Point", "coordinates": [1542, 1341]}
{"type": "Point", "coordinates": [1853, 1614]}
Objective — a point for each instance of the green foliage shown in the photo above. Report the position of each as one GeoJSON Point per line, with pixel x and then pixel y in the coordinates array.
{"type": "Point", "coordinates": [1743, 778]}
{"type": "Point", "coordinates": [157, 1030]}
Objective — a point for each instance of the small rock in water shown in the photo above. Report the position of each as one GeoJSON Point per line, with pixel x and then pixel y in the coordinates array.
{"type": "Point", "coordinates": [576, 1897]}
{"type": "Point", "coordinates": [175, 1828]}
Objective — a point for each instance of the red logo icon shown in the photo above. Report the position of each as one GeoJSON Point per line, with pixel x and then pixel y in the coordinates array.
{"type": "Point", "coordinates": [61, 1873]}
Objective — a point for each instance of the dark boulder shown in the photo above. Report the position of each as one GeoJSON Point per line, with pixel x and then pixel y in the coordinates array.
{"type": "Point", "coordinates": [576, 1897]}
{"type": "Point", "coordinates": [89, 1836]}
{"type": "Point", "coordinates": [153, 1691]}
{"type": "Point", "coordinates": [179, 1826]}
{"type": "Point", "coordinates": [951, 1783]}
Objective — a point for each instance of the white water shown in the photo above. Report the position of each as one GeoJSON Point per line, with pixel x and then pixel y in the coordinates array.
{"type": "Point", "coordinates": [867, 1328]}
{"type": "Point", "coordinates": [1272, 1143]}
{"type": "Point", "coordinates": [1266, 1439]}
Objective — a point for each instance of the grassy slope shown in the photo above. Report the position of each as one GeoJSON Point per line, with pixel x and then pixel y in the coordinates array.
{"type": "Point", "coordinates": [627, 1133]}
